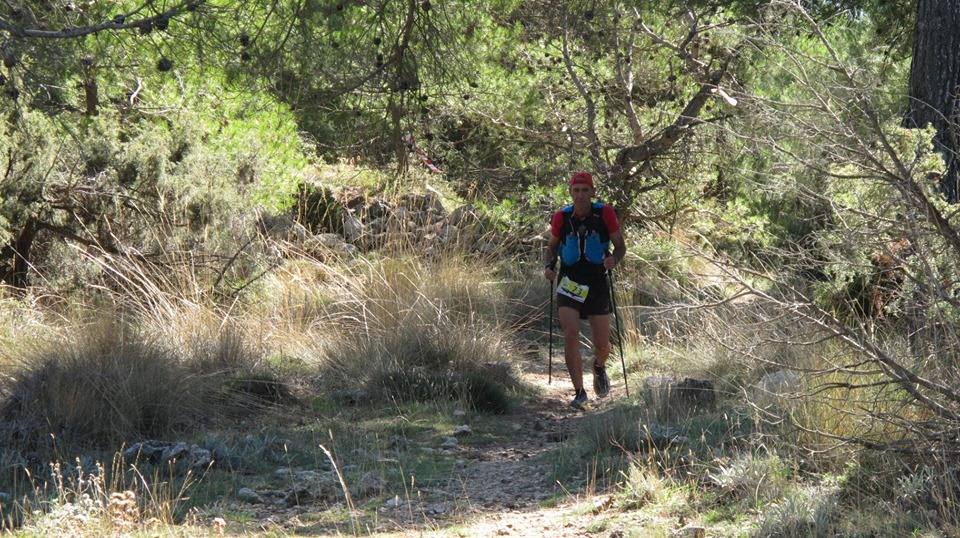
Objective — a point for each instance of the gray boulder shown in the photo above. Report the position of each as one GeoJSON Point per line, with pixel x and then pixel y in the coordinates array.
{"type": "Point", "coordinates": [671, 397]}
{"type": "Point", "coordinates": [353, 228]}
{"type": "Point", "coordinates": [249, 496]}
{"type": "Point", "coordinates": [422, 202]}
{"type": "Point", "coordinates": [376, 209]}
{"type": "Point", "coordinates": [182, 456]}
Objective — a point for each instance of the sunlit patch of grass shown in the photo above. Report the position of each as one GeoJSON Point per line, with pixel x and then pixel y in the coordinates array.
{"type": "Point", "coordinates": [802, 511]}
{"type": "Point", "coordinates": [757, 479]}
{"type": "Point", "coordinates": [597, 525]}
{"type": "Point", "coordinates": [640, 487]}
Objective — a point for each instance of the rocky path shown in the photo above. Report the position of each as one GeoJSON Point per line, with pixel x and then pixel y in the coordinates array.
{"type": "Point", "coordinates": [508, 489]}
{"type": "Point", "coordinates": [505, 488]}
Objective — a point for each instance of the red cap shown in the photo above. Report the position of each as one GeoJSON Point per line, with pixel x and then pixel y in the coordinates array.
{"type": "Point", "coordinates": [581, 178]}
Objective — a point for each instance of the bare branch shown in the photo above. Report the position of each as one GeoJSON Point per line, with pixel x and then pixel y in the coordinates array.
{"type": "Point", "coordinates": [121, 22]}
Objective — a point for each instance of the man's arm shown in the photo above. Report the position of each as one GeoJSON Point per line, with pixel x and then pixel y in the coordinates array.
{"type": "Point", "coordinates": [550, 258]}
{"type": "Point", "coordinates": [619, 250]}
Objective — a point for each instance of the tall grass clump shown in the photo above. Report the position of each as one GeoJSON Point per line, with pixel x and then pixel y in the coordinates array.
{"type": "Point", "coordinates": [419, 329]}
{"type": "Point", "coordinates": [108, 383]}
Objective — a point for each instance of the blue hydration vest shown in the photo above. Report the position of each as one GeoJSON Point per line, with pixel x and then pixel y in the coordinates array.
{"type": "Point", "coordinates": [584, 242]}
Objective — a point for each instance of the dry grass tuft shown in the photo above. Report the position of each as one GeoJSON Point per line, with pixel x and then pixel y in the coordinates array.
{"type": "Point", "coordinates": [98, 500]}
{"type": "Point", "coordinates": [419, 329]}
{"type": "Point", "coordinates": [111, 382]}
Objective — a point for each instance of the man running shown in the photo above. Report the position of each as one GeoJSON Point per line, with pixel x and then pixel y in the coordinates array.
{"type": "Point", "coordinates": [583, 232]}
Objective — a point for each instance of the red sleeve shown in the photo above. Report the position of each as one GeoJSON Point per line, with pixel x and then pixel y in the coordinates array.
{"type": "Point", "coordinates": [609, 217]}
{"type": "Point", "coordinates": [556, 223]}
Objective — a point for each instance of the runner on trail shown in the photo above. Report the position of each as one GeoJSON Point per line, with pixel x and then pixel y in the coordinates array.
{"type": "Point", "coordinates": [582, 233]}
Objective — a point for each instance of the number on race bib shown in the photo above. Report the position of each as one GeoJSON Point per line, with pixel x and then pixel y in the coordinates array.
{"type": "Point", "coordinates": [569, 288]}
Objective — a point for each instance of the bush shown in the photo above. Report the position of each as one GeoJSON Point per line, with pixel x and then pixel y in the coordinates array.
{"type": "Point", "coordinates": [417, 384]}
{"type": "Point", "coordinates": [432, 362]}
{"type": "Point", "coordinates": [744, 476]}
{"type": "Point", "coordinates": [113, 383]}
{"type": "Point", "coordinates": [810, 511]}
{"type": "Point", "coordinates": [421, 332]}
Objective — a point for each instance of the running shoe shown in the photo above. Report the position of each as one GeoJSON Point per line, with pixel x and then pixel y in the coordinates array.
{"type": "Point", "coordinates": [580, 400]}
{"type": "Point", "coordinates": [601, 383]}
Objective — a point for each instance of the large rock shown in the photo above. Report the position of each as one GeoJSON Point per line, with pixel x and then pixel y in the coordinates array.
{"type": "Point", "coordinates": [698, 394]}
{"type": "Point", "coordinates": [375, 209]}
{"type": "Point", "coordinates": [671, 397]}
{"type": "Point", "coordinates": [182, 456]}
{"type": "Point", "coordinates": [353, 229]}
{"type": "Point", "coordinates": [422, 202]}
{"type": "Point", "coordinates": [248, 495]}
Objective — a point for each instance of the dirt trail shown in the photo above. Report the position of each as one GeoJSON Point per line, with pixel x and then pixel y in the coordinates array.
{"type": "Point", "coordinates": [501, 489]}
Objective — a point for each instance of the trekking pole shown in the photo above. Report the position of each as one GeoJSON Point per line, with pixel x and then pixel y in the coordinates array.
{"type": "Point", "coordinates": [550, 353]}
{"type": "Point", "coordinates": [616, 317]}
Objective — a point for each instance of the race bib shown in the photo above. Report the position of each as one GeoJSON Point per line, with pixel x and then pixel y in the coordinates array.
{"type": "Point", "coordinates": [569, 288]}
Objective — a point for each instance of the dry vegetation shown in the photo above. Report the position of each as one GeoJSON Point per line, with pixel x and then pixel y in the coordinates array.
{"type": "Point", "coordinates": [150, 355]}
{"type": "Point", "coordinates": [790, 338]}
{"type": "Point", "coordinates": [385, 335]}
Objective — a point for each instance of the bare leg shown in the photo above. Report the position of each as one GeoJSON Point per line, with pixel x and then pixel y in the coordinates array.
{"type": "Point", "coordinates": [570, 322]}
{"type": "Point", "coordinates": [600, 334]}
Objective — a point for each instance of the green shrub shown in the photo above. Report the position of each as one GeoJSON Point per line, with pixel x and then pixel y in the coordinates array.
{"type": "Point", "coordinates": [417, 384]}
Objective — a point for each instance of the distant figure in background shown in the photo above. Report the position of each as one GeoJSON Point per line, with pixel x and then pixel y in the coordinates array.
{"type": "Point", "coordinates": [582, 233]}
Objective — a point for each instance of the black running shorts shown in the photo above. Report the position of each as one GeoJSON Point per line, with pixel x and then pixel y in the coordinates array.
{"type": "Point", "coordinates": [598, 299]}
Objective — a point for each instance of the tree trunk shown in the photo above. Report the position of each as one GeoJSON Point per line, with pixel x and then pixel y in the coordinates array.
{"type": "Point", "coordinates": [935, 81]}
{"type": "Point", "coordinates": [16, 275]}
{"type": "Point", "coordinates": [91, 97]}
